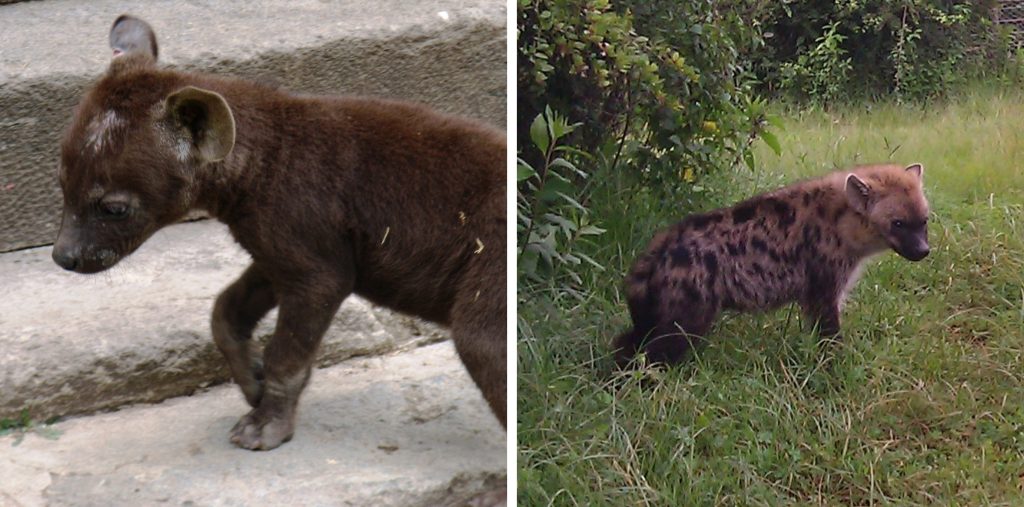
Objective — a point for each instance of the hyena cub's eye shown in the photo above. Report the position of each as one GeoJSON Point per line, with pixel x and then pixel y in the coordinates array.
{"type": "Point", "coordinates": [897, 224]}
{"type": "Point", "coordinates": [114, 209]}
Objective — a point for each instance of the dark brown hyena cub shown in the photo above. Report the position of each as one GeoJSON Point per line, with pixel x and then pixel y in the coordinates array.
{"type": "Point", "coordinates": [331, 196]}
{"type": "Point", "coordinates": [806, 243]}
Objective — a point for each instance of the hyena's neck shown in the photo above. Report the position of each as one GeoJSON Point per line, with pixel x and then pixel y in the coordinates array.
{"type": "Point", "coordinates": [858, 239]}
{"type": "Point", "coordinates": [261, 147]}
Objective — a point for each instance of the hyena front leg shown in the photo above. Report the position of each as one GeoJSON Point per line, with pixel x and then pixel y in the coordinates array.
{"type": "Point", "coordinates": [306, 309]}
{"type": "Point", "coordinates": [824, 313]}
{"type": "Point", "coordinates": [235, 314]}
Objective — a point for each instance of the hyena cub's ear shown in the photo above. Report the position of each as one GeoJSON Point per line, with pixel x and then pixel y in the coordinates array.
{"type": "Point", "coordinates": [916, 170]}
{"type": "Point", "coordinates": [133, 42]}
{"type": "Point", "coordinates": [858, 193]}
{"type": "Point", "coordinates": [205, 119]}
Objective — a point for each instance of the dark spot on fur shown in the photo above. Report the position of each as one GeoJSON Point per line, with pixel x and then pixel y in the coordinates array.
{"type": "Point", "coordinates": [691, 292]}
{"type": "Point", "coordinates": [680, 256]}
{"type": "Point", "coordinates": [733, 249]}
{"type": "Point", "coordinates": [807, 199]}
{"type": "Point", "coordinates": [743, 212]}
{"type": "Point", "coordinates": [780, 207]}
{"type": "Point", "coordinates": [711, 263]}
{"type": "Point", "coordinates": [812, 234]}
{"type": "Point", "coordinates": [820, 210]}
{"type": "Point", "coordinates": [787, 215]}
{"type": "Point", "coordinates": [702, 221]}
{"type": "Point", "coordinates": [759, 244]}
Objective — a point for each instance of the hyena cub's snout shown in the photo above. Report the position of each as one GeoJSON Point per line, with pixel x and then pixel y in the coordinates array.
{"type": "Point", "coordinates": [95, 236]}
{"type": "Point", "coordinates": [74, 252]}
{"type": "Point", "coordinates": [911, 240]}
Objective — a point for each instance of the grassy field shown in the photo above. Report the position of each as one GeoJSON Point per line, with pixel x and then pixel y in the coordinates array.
{"type": "Point", "coordinates": [923, 405]}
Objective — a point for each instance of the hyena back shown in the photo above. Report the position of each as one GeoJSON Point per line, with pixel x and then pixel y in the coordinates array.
{"type": "Point", "coordinates": [804, 243]}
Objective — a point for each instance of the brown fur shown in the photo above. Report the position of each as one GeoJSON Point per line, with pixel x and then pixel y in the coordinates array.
{"type": "Point", "coordinates": [330, 195]}
{"type": "Point", "coordinates": [804, 243]}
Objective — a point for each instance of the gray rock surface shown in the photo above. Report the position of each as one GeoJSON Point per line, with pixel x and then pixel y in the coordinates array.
{"type": "Point", "coordinates": [72, 343]}
{"type": "Point", "coordinates": [409, 429]}
{"type": "Point", "coordinates": [446, 53]}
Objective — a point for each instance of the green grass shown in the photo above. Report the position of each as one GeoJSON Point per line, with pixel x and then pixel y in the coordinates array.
{"type": "Point", "coordinates": [19, 426]}
{"type": "Point", "coordinates": [922, 405]}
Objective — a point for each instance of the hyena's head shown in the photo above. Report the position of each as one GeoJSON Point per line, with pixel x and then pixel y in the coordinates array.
{"type": "Point", "coordinates": [130, 158]}
{"type": "Point", "coordinates": [892, 200]}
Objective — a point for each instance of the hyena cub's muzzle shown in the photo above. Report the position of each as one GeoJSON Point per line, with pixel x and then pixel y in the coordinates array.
{"type": "Point", "coordinates": [74, 252]}
{"type": "Point", "coordinates": [911, 240]}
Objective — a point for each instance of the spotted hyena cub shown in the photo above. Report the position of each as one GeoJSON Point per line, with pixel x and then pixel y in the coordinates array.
{"type": "Point", "coordinates": [806, 243]}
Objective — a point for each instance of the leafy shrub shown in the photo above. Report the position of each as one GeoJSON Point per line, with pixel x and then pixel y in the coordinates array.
{"type": "Point", "coordinates": [663, 73]}
{"type": "Point", "coordinates": [823, 72]}
{"type": "Point", "coordinates": [550, 220]}
{"type": "Point", "coordinates": [911, 48]}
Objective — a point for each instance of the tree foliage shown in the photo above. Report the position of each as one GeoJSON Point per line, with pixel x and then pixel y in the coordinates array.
{"type": "Point", "coordinates": [821, 49]}
{"type": "Point", "coordinates": [664, 72]}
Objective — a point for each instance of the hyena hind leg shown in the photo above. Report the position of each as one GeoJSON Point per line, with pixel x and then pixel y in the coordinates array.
{"type": "Point", "coordinates": [667, 343]}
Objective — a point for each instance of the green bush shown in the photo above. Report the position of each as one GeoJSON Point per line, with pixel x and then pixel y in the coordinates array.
{"type": "Point", "coordinates": [550, 220]}
{"type": "Point", "coordinates": [914, 49]}
{"type": "Point", "coordinates": [665, 74]}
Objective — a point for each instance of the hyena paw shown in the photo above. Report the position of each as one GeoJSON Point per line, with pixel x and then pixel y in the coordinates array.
{"type": "Point", "coordinates": [259, 431]}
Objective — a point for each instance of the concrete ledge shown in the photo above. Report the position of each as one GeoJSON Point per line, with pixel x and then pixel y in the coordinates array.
{"type": "Point", "coordinates": [446, 53]}
{"type": "Point", "coordinates": [408, 429]}
{"type": "Point", "coordinates": [72, 344]}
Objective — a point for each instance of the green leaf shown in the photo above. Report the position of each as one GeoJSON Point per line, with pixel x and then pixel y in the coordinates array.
{"type": "Point", "coordinates": [772, 142]}
{"type": "Point", "coordinates": [524, 172]}
{"type": "Point", "coordinates": [566, 225]}
{"type": "Point", "coordinates": [561, 162]}
{"type": "Point", "coordinates": [748, 158]}
{"type": "Point", "coordinates": [590, 261]}
{"type": "Point", "coordinates": [591, 230]}
{"type": "Point", "coordinates": [572, 201]}
{"type": "Point", "coordinates": [539, 133]}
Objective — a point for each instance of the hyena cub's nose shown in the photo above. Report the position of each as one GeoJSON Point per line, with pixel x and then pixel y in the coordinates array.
{"type": "Point", "coordinates": [920, 253]}
{"type": "Point", "coordinates": [65, 258]}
